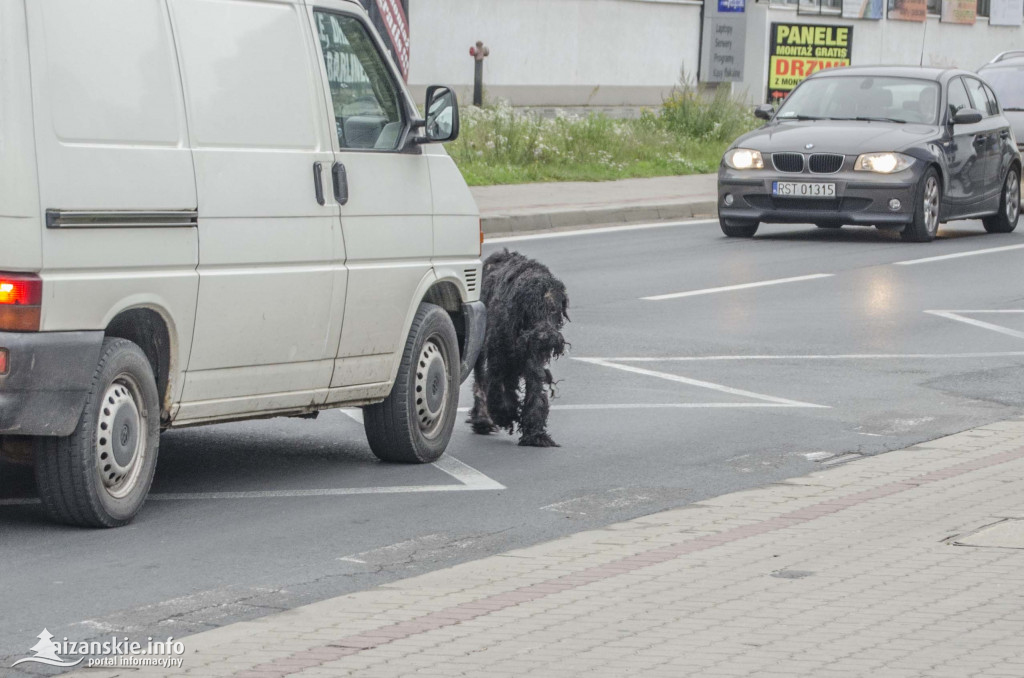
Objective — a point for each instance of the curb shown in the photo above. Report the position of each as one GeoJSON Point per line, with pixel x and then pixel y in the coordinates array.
{"type": "Point", "coordinates": [597, 216]}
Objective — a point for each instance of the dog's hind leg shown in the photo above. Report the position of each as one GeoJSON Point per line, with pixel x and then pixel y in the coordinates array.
{"type": "Point", "coordinates": [479, 417]}
{"type": "Point", "coordinates": [534, 419]}
{"type": "Point", "coordinates": [503, 397]}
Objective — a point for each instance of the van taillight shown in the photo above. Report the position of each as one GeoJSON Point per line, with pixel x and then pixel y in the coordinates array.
{"type": "Point", "coordinates": [3, 361]}
{"type": "Point", "coordinates": [21, 296]}
{"type": "Point", "coordinates": [480, 252]}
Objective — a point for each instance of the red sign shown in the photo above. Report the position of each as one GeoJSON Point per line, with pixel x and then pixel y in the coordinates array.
{"type": "Point", "coordinates": [397, 25]}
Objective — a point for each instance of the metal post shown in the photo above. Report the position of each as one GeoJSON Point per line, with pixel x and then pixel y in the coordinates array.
{"type": "Point", "coordinates": [479, 52]}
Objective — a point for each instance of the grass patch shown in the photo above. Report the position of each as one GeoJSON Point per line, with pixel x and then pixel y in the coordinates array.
{"type": "Point", "coordinates": [687, 135]}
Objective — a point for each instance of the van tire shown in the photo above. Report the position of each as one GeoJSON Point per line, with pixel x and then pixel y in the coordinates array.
{"type": "Point", "coordinates": [410, 427]}
{"type": "Point", "coordinates": [73, 486]}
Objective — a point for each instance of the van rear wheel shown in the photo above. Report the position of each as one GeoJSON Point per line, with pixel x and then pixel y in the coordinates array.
{"type": "Point", "coordinates": [414, 424]}
{"type": "Point", "coordinates": [99, 476]}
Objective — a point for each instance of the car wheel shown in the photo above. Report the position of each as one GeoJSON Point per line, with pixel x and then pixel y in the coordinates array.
{"type": "Point", "coordinates": [414, 423]}
{"type": "Point", "coordinates": [99, 476]}
{"type": "Point", "coordinates": [1005, 220]}
{"type": "Point", "coordinates": [738, 229]}
{"type": "Point", "coordinates": [926, 210]}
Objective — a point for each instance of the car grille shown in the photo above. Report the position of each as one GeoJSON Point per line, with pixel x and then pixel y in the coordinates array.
{"type": "Point", "coordinates": [808, 204]}
{"type": "Point", "coordinates": [826, 163]}
{"type": "Point", "coordinates": [788, 162]}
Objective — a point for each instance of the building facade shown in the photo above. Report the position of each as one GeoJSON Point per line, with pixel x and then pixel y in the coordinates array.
{"type": "Point", "coordinates": [622, 54]}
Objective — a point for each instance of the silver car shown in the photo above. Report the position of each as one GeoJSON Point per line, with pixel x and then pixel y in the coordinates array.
{"type": "Point", "coordinates": [1005, 74]}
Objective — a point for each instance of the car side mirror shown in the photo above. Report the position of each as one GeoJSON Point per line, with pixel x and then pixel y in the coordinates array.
{"type": "Point", "coordinates": [764, 111]}
{"type": "Point", "coordinates": [442, 121]}
{"type": "Point", "coordinates": [966, 116]}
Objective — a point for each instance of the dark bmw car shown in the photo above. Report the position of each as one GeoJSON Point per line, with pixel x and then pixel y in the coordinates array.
{"type": "Point", "coordinates": [899, 148]}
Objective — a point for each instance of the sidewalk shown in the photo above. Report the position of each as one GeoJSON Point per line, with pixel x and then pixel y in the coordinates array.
{"type": "Point", "coordinates": [533, 207]}
{"type": "Point", "coordinates": [883, 567]}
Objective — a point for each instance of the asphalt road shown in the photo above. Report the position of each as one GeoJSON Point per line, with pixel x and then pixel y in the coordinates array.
{"type": "Point", "coordinates": [662, 402]}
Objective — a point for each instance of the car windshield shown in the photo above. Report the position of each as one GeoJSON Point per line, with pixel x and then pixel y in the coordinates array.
{"type": "Point", "coordinates": [1008, 84]}
{"type": "Point", "coordinates": [863, 97]}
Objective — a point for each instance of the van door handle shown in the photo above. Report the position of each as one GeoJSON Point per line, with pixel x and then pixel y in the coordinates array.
{"type": "Point", "coordinates": [318, 182]}
{"type": "Point", "coordinates": [340, 177]}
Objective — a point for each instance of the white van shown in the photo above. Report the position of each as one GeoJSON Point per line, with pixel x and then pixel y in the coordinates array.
{"type": "Point", "coordinates": [213, 210]}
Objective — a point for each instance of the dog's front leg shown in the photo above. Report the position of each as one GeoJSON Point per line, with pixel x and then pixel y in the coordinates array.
{"type": "Point", "coordinates": [479, 417]}
{"type": "Point", "coordinates": [534, 419]}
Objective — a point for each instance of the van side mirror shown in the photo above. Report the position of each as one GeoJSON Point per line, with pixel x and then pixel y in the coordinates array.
{"type": "Point", "coordinates": [442, 121]}
{"type": "Point", "coordinates": [966, 116]}
{"type": "Point", "coordinates": [764, 111]}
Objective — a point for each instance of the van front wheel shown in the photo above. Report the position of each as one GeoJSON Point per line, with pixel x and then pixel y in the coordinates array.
{"type": "Point", "coordinates": [414, 424]}
{"type": "Point", "coordinates": [99, 476]}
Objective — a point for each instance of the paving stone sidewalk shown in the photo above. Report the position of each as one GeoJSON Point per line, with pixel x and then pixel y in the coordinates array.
{"type": "Point", "coordinates": [855, 570]}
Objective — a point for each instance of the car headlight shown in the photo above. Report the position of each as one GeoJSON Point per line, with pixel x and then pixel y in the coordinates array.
{"type": "Point", "coordinates": [883, 163]}
{"type": "Point", "coordinates": [744, 158]}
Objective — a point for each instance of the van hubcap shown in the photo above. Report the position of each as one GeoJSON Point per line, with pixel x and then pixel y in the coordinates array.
{"type": "Point", "coordinates": [120, 436]}
{"type": "Point", "coordinates": [1012, 196]}
{"type": "Point", "coordinates": [431, 388]}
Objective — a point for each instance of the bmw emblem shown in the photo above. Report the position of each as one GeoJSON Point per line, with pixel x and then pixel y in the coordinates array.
{"type": "Point", "coordinates": [809, 146]}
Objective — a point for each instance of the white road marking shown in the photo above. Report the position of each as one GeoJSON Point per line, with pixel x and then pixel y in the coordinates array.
{"type": "Point", "coordinates": [730, 288]}
{"type": "Point", "coordinates": [841, 356]}
{"type": "Point", "coordinates": [818, 456]}
{"type": "Point", "coordinates": [353, 560]}
{"type": "Point", "coordinates": [602, 229]}
{"type": "Point", "coordinates": [926, 260]}
{"type": "Point", "coordinates": [668, 406]}
{"type": "Point", "coordinates": [956, 315]}
{"type": "Point", "coordinates": [469, 479]}
{"type": "Point", "coordinates": [352, 412]}
{"type": "Point", "coordinates": [785, 402]}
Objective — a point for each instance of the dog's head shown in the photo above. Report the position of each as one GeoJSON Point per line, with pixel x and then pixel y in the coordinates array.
{"type": "Point", "coordinates": [548, 339]}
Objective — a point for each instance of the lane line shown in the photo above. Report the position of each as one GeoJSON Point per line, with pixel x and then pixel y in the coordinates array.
{"type": "Point", "coordinates": [841, 356]}
{"type": "Point", "coordinates": [701, 384]}
{"type": "Point", "coordinates": [953, 315]}
{"type": "Point", "coordinates": [353, 413]}
{"type": "Point", "coordinates": [601, 229]}
{"type": "Point", "coordinates": [670, 406]}
{"type": "Point", "coordinates": [730, 288]}
{"type": "Point", "coordinates": [958, 255]}
{"type": "Point", "coordinates": [470, 480]}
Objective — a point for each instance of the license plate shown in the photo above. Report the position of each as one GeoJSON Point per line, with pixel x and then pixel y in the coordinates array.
{"type": "Point", "coordinates": [799, 189]}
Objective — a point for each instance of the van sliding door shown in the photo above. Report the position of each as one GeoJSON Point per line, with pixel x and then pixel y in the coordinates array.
{"type": "Point", "coordinates": [271, 272]}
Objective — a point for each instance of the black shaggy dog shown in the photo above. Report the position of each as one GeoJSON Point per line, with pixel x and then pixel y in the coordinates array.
{"type": "Point", "coordinates": [526, 309]}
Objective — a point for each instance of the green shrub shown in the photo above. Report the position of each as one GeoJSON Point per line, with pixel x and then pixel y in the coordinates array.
{"type": "Point", "coordinates": [498, 144]}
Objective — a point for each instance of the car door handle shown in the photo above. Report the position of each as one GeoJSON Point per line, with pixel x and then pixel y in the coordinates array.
{"type": "Point", "coordinates": [318, 182]}
{"type": "Point", "coordinates": [340, 178]}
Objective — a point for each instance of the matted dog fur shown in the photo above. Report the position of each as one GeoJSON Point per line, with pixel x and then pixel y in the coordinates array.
{"type": "Point", "coordinates": [527, 307]}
